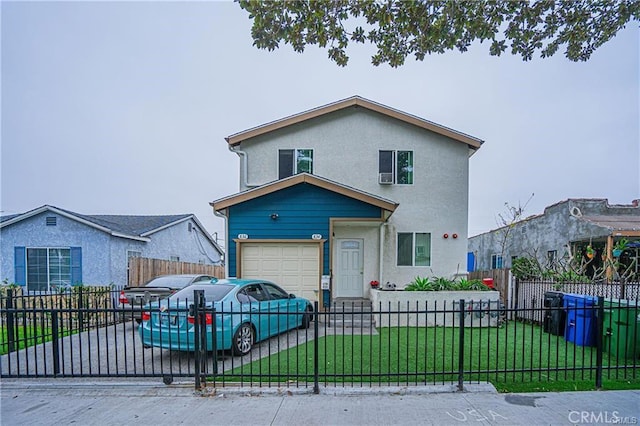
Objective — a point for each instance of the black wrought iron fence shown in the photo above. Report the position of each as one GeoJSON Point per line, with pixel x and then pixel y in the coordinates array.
{"type": "Point", "coordinates": [402, 345]}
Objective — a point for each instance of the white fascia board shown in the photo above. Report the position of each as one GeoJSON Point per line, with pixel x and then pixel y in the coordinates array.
{"type": "Point", "coordinates": [130, 237]}
{"type": "Point", "coordinates": [168, 225]}
{"type": "Point", "coordinates": [56, 211]}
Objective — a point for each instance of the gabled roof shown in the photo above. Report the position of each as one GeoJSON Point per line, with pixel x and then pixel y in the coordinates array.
{"type": "Point", "coordinates": [315, 180]}
{"type": "Point", "coordinates": [124, 226]}
{"type": "Point", "coordinates": [473, 142]}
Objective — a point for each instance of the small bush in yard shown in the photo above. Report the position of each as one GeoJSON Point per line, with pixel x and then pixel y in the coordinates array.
{"type": "Point", "coordinates": [444, 284]}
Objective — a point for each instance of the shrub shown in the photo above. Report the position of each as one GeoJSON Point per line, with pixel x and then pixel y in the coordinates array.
{"type": "Point", "coordinates": [420, 284]}
{"type": "Point", "coordinates": [444, 284]}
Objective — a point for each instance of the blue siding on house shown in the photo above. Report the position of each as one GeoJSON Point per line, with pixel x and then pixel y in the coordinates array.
{"type": "Point", "coordinates": [303, 210]}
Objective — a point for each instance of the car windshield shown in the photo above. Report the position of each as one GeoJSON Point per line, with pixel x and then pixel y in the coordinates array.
{"type": "Point", "coordinates": [171, 281]}
{"type": "Point", "coordinates": [213, 292]}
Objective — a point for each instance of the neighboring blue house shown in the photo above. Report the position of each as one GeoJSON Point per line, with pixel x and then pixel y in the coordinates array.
{"type": "Point", "coordinates": [49, 246]}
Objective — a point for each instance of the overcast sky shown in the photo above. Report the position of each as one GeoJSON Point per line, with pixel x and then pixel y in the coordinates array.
{"type": "Point", "coordinates": [122, 108]}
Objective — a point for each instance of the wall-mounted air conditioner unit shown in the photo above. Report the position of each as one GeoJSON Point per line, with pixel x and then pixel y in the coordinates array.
{"type": "Point", "coordinates": [385, 178]}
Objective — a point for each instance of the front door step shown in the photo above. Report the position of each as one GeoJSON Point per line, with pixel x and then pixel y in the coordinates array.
{"type": "Point", "coordinates": [350, 313]}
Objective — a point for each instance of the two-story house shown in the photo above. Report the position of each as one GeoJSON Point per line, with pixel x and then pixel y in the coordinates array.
{"type": "Point", "coordinates": [348, 193]}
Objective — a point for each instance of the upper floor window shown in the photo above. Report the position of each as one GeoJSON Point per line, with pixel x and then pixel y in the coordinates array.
{"type": "Point", "coordinates": [496, 261]}
{"type": "Point", "coordinates": [294, 161]}
{"type": "Point", "coordinates": [395, 167]}
{"type": "Point", "coordinates": [414, 249]}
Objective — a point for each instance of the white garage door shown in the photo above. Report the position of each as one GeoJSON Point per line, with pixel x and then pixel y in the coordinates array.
{"type": "Point", "coordinates": [293, 266]}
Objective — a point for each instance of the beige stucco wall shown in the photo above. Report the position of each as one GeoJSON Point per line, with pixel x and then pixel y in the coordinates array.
{"type": "Point", "coordinates": [346, 145]}
{"type": "Point", "coordinates": [436, 308]}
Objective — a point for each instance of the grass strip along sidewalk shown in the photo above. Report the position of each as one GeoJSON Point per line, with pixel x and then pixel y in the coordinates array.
{"type": "Point", "coordinates": [516, 357]}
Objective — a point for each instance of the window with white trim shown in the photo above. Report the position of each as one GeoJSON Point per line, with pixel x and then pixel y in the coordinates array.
{"type": "Point", "coordinates": [414, 249]}
{"type": "Point", "coordinates": [496, 261]}
{"type": "Point", "coordinates": [294, 161]}
{"type": "Point", "coordinates": [48, 268]}
{"type": "Point", "coordinates": [398, 165]}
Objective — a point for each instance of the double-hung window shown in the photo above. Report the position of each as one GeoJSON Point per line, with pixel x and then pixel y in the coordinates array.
{"type": "Point", "coordinates": [294, 161]}
{"type": "Point", "coordinates": [48, 268]}
{"type": "Point", "coordinates": [395, 167]}
{"type": "Point", "coordinates": [414, 249]}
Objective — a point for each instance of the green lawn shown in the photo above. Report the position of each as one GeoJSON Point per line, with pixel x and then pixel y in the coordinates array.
{"type": "Point", "coordinates": [515, 357]}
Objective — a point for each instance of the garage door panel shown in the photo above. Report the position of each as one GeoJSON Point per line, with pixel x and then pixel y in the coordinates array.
{"type": "Point", "coordinates": [293, 266]}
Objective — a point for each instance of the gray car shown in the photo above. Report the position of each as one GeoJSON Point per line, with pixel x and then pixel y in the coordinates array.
{"type": "Point", "coordinates": [157, 289]}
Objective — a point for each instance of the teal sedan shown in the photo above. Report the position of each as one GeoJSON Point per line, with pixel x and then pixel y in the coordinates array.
{"type": "Point", "coordinates": [246, 312]}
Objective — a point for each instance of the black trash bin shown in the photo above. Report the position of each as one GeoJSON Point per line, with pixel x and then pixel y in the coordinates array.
{"type": "Point", "coordinates": [554, 313]}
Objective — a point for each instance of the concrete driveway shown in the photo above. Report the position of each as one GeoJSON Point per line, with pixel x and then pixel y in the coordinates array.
{"type": "Point", "coordinates": [116, 351]}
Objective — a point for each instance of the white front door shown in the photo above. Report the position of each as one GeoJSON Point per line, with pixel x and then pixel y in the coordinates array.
{"type": "Point", "coordinates": [349, 265]}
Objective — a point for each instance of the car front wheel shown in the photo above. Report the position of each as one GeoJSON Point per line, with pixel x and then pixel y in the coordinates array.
{"type": "Point", "coordinates": [307, 317]}
{"type": "Point", "coordinates": [243, 339]}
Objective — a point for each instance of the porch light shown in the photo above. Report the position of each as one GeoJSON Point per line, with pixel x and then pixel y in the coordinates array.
{"type": "Point", "coordinates": [445, 236]}
{"type": "Point", "coordinates": [274, 216]}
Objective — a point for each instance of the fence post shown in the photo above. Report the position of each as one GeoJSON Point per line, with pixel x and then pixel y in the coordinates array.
{"type": "Point", "coordinates": [55, 344]}
{"type": "Point", "coordinates": [198, 306]}
{"type": "Point", "coordinates": [600, 329]}
{"type": "Point", "coordinates": [11, 325]}
{"type": "Point", "coordinates": [461, 347]}
{"type": "Point", "coordinates": [214, 341]}
{"type": "Point", "coordinates": [80, 307]}
{"type": "Point", "coordinates": [316, 386]}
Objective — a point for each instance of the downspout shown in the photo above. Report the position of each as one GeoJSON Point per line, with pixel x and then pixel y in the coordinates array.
{"type": "Point", "coordinates": [226, 249]}
{"type": "Point", "coordinates": [245, 167]}
{"type": "Point", "coordinates": [381, 254]}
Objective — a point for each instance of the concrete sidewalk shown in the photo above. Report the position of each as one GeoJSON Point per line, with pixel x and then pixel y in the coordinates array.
{"type": "Point", "coordinates": [109, 402]}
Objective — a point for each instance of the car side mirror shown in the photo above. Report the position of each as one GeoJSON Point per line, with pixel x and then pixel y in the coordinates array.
{"type": "Point", "coordinates": [292, 296]}
{"type": "Point", "coordinates": [192, 310]}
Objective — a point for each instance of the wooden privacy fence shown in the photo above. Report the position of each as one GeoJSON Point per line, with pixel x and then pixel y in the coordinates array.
{"type": "Point", "coordinates": [142, 269]}
{"type": "Point", "coordinates": [500, 280]}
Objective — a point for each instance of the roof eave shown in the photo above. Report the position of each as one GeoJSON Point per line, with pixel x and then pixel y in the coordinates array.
{"type": "Point", "coordinates": [165, 226]}
{"type": "Point", "coordinates": [239, 137]}
{"type": "Point", "coordinates": [56, 210]}
{"type": "Point", "coordinates": [223, 204]}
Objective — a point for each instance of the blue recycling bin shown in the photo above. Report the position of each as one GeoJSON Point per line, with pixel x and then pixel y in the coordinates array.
{"type": "Point", "coordinates": [581, 327]}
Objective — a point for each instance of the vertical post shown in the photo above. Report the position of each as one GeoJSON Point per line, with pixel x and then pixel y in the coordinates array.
{"type": "Point", "coordinates": [80, 307]}
{"type": "Point", "coordinates": [600, 330]}
{"type": "Point", "coordinates": [11, 325]}
{"type": "Point", "coordinates": [316, 386]}
{"type": "Point", "coordinates": [55, 347]}
{"type": "Point", "coordinates": [198, 295]}
{"type": "Point", "coordinates": [461, 347]}
{"type": "Point", "coordinates": [214, 342]}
